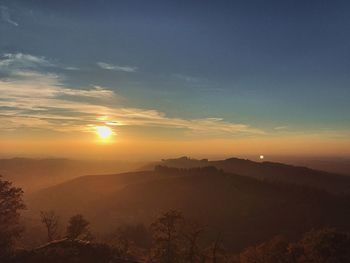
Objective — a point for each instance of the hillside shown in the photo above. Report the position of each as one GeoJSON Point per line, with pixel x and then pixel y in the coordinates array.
{"type": "Point", "coordinates": [271, 171]}
{"type": "Point", "coordinates": [244, 209]}
{"type": "Point", "coordinates": [33, 174]}
{"type": "Point", "coordinates": [79, 195]}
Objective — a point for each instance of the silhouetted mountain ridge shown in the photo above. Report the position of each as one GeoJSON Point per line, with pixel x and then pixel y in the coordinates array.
{"type": "Point", "coordinates": [271, 171]}
{"type": "Point", "coordinates": [247, 210]}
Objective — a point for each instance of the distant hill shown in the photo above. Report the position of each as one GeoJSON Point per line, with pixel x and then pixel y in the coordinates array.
{"type": "Point", "coordinates": [33, 174]}
{"type": "Point", "coordinates": [271, 171]}
{"type": "Point", "coordinates": [245, 210]}
{"type": "Point", "coordinates": [329, 164]}
{"type": "Point", "coordinates": [80, 194]}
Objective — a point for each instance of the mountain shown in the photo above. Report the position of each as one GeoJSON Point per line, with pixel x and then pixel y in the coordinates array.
{"type": "Point", "coordinates": [329, 164]}
{"type": "Point", "coordinates": [244, 210]}
{"type": "Point", "coordinates": [80, 194]}
{"type": "Point", "coordinates": [271, 171]}
{"type": "Point", "coordinates": [33, 174]}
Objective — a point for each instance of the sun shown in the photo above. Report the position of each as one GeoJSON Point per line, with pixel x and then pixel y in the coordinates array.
{"type": "Point", "coordinates": [104, 132]}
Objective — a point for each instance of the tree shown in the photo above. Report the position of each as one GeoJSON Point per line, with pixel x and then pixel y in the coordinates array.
{"type": "Point", "coordinates": [325, 246]}
{"type": "Point", "coordinates": [317, 246]}
{"type": "Point", "coordinates": [191, 235]}
{"type": "Point", "coordinates": [50, 220]}
{"type": "Point", "coordinates": [275, 250]}
{"type": "Point", "coordinates": [167, 237]}
{"type": "Point", "coordinates": [11, 203]}
{"type": "Point", "coordinates": [216, 250]}
{"type": "Point", "coordinates": [128, 240]}
{"type": "Point", "coordinates": [78, 228]}
{"type": "Point", "coordinates": [123, 247]}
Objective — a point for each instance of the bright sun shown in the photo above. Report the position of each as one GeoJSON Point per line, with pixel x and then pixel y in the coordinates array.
{"type": "Point", "coordinates": [103, 132]}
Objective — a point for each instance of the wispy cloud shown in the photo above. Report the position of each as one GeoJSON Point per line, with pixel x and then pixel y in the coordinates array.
{"type": "Point", "coordinates": [17, 62]}
{"type": "Point", "coordinates": [33, 99]}
{"type": "Point", "coordinates": [5, 16]}
{"type": "Point", "coordinates": [71, 68]}
{"type": "Point", "coordinates": [107, 66]}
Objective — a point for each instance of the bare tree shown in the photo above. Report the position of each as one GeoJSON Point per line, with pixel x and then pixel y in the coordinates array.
{"type": "Point", "coordinates": [167, 237]}
{"type": "Point", "coordinates": [50, 220]}
{"type": "Point", "coordinates": [191, 235]}
{"type": "Point", "coordinates": [11, 203]}
{"type": "Point", "coordinates": [216, 251]}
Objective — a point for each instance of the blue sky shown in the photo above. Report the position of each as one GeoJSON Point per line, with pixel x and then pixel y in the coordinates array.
{"type": "Point", "coordinates": [267, 65]}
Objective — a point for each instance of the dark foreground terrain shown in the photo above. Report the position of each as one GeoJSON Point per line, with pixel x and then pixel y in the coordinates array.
{"type": "Point", "coordinates": [185, 210]}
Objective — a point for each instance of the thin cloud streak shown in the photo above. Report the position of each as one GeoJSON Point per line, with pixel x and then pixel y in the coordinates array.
{"type": "Point", "coordinates": [5, 16]}
{"type": "Point", "coordinates": [107, 66]}
{"type": "Point", "coordinates": [32, 99]}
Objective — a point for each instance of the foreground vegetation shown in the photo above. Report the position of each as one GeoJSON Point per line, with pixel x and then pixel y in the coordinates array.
{"type": "Point", "coordinates": [170, 238]}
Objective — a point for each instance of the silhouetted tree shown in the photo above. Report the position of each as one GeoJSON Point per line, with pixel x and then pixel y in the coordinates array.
{"type": "Point", "coordinates": [216, 250]}
{"type": "Point", "coordinates": [123, 247]}
{"type": "Point", "coordinates": [191, 234]}
{"type": "Point", "coordinates": [188, 171]}
{"type": "Point", "coordinates": [137, 234]}
{"type": "Point", "coordinates": [167, 237]}
{"type": "Point", "coordinates": [321, 246]}
{"type": "Point", "coordinates": [10, 205]}
{"type": "Point", "coordinates": [325, 246]}
{"type": "Point", "coordinates": [78, 228]}
{"type": "Point", "coordinates": [274, 251]}
{"type": "Point", "coordinates": [130, 240]}
{"type": "Point", "coordinates": [50, 220]}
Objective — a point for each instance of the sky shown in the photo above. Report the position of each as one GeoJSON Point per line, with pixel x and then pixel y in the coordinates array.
{"type": "Point", "coordinates": [204, 78]}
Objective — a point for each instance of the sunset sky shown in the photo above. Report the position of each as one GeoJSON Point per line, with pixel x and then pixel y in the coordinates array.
{"type": "Point", "coordinates": [129, 78]}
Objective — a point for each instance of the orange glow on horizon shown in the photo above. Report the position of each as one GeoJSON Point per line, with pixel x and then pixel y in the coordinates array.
{"type": "Point", "coordinates": [144, 148]}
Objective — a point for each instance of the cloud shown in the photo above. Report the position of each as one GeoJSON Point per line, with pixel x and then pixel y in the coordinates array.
{"type": "Point", "coordinates": [5, 16]}
{"type": "Point", "coordinates": [32, 99]}
{"type": "Point", "coordinates": [71, 68]}
{"type": "Point", "coordinates": [107, 66]}
{"type": "Point", "coordinates": [13, 63]}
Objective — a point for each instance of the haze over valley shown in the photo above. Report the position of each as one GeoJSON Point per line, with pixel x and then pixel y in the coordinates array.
{"type": "Point", "coordinates": [172, 131]}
